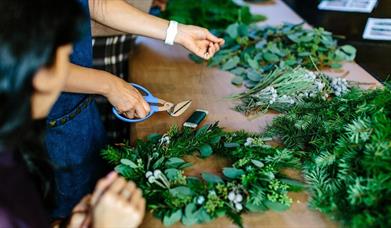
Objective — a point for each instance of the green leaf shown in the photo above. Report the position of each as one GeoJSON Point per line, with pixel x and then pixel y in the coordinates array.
{"type": "Point", "coordinates": [233, 173]}
{"type": "Point", "coordinates": [257, 163]}
{"type": "Point", "coordinates": [215, 139]}
{"type": "Point", "coordinates": [231, 145]}
{"type": "Point", "coordinates": [231, 63]}
{"type": "Point", "coordinates": [255, 207]}
{"type": "Point", "coordinates": [350, 52]}
{"type": "Point", "coordinates": [203, 216]}
{"type": "Point", "coordinates": [181, 192]}
{"type": "Point", "coordinates": [232, 30]}
{"type": "Point", "coordinates": [254, 76]}
{"type": "Point", "coordinates": [189, 221]}
{"type": "Point", "coordinates": [275, 206]}
{"type": "Point", "coordinates": [211, 178]}
{"type": "Point", "coordinates": [158, 163]}
{"type": "Point", "coordinates": [154, 137]}
{"type": "Point", "coordinates": [336, 65]}
{"type": "Point", "coordinates": [295, 185]}
{"type": "Point", "coordinates": [237, 80]}
{"type": "Point", "coordinates": [206, 150]}
{"type": "Point", "coordinates": [171, 173]}
{"type": "Point", "coordinates": [202, 131]}
{"type": "Point", "coordinates": [172, 218]}
{"type": "Point", "coordinates": [129, 163]}
{"type": "Point", "coordinates": [175, 162]}
{"type": "Point", "coordinates": [270, 57]}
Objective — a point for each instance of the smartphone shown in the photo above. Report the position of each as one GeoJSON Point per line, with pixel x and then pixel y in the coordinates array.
{"type": "Point", "coordinates": [196, 118]}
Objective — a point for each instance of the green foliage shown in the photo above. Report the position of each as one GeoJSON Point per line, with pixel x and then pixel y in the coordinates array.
{"type": "Point", "coordinates": [157, 168]}
{"type": "Point", "coordinates": [251, 52]}
{"type": "Point", "coordinates": [211, 14]}
{"type": "Point", "coordinates": [345, 144]}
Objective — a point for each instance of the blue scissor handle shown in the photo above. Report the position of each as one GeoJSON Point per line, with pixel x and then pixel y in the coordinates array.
{"type": "Point", "coordinates": [149, 98]}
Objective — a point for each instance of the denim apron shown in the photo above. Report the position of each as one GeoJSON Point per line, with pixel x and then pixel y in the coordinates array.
{"type": "Point", "coordinates": [75, 135]}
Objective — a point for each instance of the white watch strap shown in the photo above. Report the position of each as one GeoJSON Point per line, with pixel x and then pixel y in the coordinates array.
{"type": "Point", "coordinates": [172, 30]}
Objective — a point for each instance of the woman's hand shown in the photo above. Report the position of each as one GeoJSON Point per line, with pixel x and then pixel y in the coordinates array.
{"type": "Point", "coordinates": [198, 40]}
{"type": "Point", "coordinates": [126, 99]}
{"type": "Point", "coordinates": [80, 216]}
{"type": "Point", "coordinates": [117, 203]}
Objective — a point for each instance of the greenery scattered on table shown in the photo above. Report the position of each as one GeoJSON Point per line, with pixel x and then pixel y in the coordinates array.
{"type": "Point", "coordinates": [345, 144]}
{"type": "Point", "coordinates": [253, 182]}
{"type": "Point", "coordinates": [211, 14]}
{"type": "Point", "coordinates": [283, 88]}
{"type": "Point", "coordinates": [342, 145]}
{"type": "Point", "coordinates": [251, 51]}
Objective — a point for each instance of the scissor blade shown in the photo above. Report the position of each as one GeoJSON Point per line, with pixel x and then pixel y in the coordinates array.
{"type": "Point", "coordinates": [179, 108]}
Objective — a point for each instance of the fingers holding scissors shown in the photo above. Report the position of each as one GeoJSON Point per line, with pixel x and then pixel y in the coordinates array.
{"type": "Point", "coordinates": [127, 100]}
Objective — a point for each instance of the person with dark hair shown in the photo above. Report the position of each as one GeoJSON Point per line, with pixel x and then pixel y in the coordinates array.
{"type": "Point", "coordinates": [36, 39]}
{"type": "Point", "coordinates": [75, 132]}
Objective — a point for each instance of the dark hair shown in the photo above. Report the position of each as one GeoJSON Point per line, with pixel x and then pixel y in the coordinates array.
{"type": "Point", "coordinates": [30, 33]}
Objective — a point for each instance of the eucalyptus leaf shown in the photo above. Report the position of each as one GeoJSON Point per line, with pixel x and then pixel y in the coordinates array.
{"type": "Point", "coordinates": [172, 218]}
{"type": "Point", "coordinates": [231, 145]}
{"type": "Point", "coordinates": [232, 30]}
{"type": "Point", "coordinates": [233, 173]}
{"type": "Point", "coordinates": [171, 174]}
{"type": "Point", "coordinates": [237, 80]}
{"type": "Point", "coordinates": [254, 76]}
{"type": "Point", "coordinates": [270, 57]}
{"type": "Point", "coordinates": [215, 139]}
{"type": "Point", "coordinates": [154, 137]}
{"type": "Point", "coordinates": [257, 163]}
{"type": "Point", "coordinates": [174, 162]}
{"type": "Point", "coordinates": [206, 150]}
{"type": "Point", "coordinates": [181, 191]}
{"type": "Point", "coordinates": [129, 163]}
{"type": "Point", "coordinates": [231, 63]}
{"type": "Point", "coordinates": [158, 163]}
{"type": "Point", "coordinates": [211, 178]}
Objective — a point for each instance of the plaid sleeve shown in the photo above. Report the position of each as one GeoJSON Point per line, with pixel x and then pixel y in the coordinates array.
{"type": "Point", "coordinates": [111, 54]}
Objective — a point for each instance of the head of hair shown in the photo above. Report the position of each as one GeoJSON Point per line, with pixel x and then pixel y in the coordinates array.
{"type": "Point", "coordinates": [30, 33]}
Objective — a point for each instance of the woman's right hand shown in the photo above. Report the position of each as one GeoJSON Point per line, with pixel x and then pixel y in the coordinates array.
{"type": "Point", "coordinates": [117, 203]}
{"type": "Point", "coordinates": [126, 99]}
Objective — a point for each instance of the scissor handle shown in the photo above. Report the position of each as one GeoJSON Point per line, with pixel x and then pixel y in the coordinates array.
{"type": "Point", "coordinates": [148, 98]}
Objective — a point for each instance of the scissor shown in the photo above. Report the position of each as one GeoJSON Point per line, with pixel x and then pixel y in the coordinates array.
{"type": "Point", "coordinates": [172, 109]}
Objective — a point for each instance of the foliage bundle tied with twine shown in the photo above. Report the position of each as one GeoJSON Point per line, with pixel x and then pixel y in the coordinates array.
{"type": "Point", "coordinates": [253, 182]}
{"type": "Point", "coordinates": [211, 14]}
{"type": "Point", "coordinates": [251, 51]}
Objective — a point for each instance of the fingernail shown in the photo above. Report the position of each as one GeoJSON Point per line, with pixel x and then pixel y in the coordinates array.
{"type": "Point", "coordinates": [112, 175]}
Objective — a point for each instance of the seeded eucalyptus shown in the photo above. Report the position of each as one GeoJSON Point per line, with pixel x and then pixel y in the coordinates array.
{"type": "Point", "coordinates": [251, 52]}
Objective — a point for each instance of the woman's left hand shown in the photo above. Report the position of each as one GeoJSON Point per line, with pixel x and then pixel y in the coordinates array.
{"type": "Point", "coordinates": [198, 40]}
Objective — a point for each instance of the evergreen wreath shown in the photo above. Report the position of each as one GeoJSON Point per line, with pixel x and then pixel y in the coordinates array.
{"type": "Point", "coordinates": [253, 183]}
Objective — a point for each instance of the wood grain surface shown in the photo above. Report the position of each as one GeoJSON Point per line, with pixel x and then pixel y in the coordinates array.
{"type": "Point", "coordinates": [168, 73]}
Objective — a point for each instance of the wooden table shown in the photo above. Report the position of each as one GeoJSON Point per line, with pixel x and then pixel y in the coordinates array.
{"type": "Point", "coordinates": [169, 74]}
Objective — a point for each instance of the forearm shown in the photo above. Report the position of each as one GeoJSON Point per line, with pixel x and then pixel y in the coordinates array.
{"type": "Point", "coordinates": [87, 80]}
{"type": "Point", "coordinates": [119, 15]}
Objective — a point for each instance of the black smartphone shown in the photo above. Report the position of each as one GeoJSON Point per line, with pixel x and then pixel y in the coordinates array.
{"type": "Point", "coordinates": [196, 118]}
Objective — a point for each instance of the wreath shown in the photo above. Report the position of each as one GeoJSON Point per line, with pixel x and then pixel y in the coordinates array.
{"type": "Point", "coordinates": [255, 182]}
